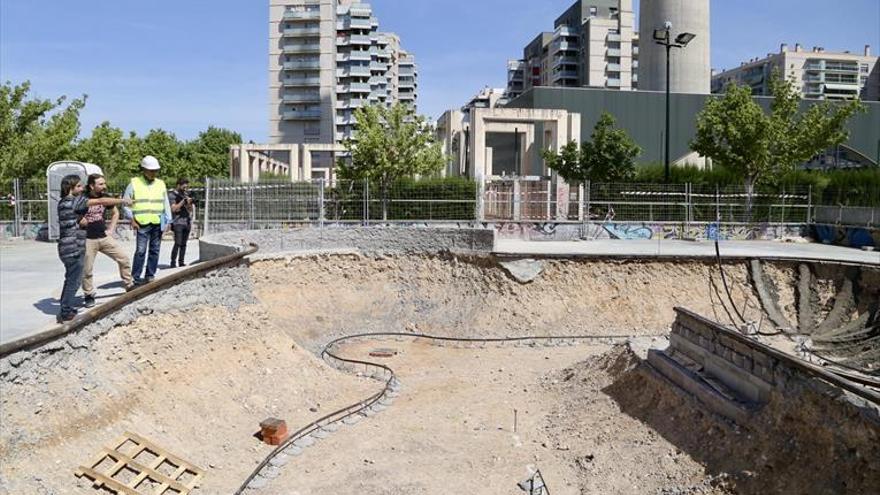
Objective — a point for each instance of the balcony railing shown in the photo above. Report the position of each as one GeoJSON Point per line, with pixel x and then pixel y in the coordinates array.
{"type": "Point", "coordinates": [354, 88]}
{"type": "Point", "coordinates": [302, 48]}
{"type": "Point", "coordinates": [301, 32]}
{"type": "Point", "coordinates": [613, 52]}
{"type": "Point", "coordinates": [612, 67]}
{"type": "Point", "coordinates": [561, 46]}
{"type": "Point", "coordinates": [841, 67]}
{"type": "Point", "coordinates": [352, 103]}
{"type": "Point", "coordinates": [301, 98]}
{"type": "Point", "coordinates": [613, 82]}
{"type": "Point", "coordinates": [302, 115]}
{"type": "Point", "coordinates": [302, 15]}
{"type": "Point", "coordinates": [301, 81]}
{"type": "Point", "coordinates": [361, 55]}
{"type": "Point", "coordinates": [613, 37]}
{"type": "Point", "coordinates": [302, 64]}
{"type": "Point", "coordinates": [565, 74]}
{"type": "Point", "coordinates": [354, 71]}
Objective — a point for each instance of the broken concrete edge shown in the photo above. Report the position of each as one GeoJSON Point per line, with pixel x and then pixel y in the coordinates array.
{"type": "Point", "coordinates": [524, 270]}
{"type": "Point", "coordinates": [366, 240]}
{"type": "Point", "coordinates": [749, 367]}
{"type": "Point", "coordinates": [213, 282]}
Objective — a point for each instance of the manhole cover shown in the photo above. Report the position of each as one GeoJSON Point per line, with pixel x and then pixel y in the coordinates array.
{"type": "Point", "coordinates": [383, 353]}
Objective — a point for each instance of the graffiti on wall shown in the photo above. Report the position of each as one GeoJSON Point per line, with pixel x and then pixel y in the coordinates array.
{"type": "Point", "coordinates": [642, 231]}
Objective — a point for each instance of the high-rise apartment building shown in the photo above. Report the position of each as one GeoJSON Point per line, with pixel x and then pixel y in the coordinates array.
{"type": "Point", "coordinates": [593, 43]}
{"type": "Point", "coordinates": [326, 59]}
{"type": "Point", "coordinates": [816, 73]}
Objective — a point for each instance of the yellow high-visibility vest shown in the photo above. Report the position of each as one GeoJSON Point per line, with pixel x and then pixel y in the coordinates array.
{"type": "Point", "coordinates": [149, 200]}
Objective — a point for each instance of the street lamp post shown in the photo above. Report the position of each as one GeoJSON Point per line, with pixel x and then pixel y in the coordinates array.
{"type": "Point", "coordinates": [664, 37]}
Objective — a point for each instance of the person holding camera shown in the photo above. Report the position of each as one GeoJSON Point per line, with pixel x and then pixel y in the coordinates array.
{"type": "Point", "coordinates": [182, 206]}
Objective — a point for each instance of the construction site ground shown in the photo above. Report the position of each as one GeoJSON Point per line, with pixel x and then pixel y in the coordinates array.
{"type": "Point", "coordinates": [593, 418]}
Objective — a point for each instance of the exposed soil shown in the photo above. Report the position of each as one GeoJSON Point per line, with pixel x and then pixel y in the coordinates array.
{"type": "Point", "coordinates": [197, 384]}
{"type": "Point", "coordinates": [593, 419]}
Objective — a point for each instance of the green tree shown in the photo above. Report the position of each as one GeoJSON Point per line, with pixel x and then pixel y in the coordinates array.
{"type": "Point", "coordinates": [34, 132]}
{"type": "Point", "coordinates": [609, 156]}
{"type": "Point", "coordinates": [392, 143]}
{"type": "Point", "coordinates": [105, 148]}
{"type": "Point", "coordinates": [208, 155]}
{"type": "Point", "coordinates": [736, 133]}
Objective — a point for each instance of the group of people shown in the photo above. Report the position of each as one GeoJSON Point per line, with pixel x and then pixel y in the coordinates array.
{"type": "Point", "coordinates": [85, 230]}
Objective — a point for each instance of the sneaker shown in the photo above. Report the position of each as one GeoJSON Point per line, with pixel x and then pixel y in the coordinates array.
{"type": "Point", "coordinates": [65, 318]}
{"type": "Point", "coordinates": [89, 301]}
{"type": "Point", "coordinates": [181, 264]}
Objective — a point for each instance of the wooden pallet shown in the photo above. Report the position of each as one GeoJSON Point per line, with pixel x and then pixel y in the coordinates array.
{"type": "Point", "coordinates": [136, 466]}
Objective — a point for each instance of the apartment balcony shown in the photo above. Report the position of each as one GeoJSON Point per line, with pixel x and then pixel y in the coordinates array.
{"type": "Point", "coordinates": [302, 115]}
{"type": "Point", "coordinates": [563, 31]}
{"type": "Point", "coordinates": [301, 32]}
{"type": "Point", "coordinates": [612, 67]}
{"type": "Point", "coordinates": [565, 74]}
{"type": "Point", "coordinates": [613, 82]}
{"type": "Point", "coordinates": [354, 23]}
{"type": "Point", "coordinates": [350, 104]}
{"type": "Point", "coordinates": [359, 55]}
{"type": "Point", "coordinates": [613, 52]}
{"type": "Point", "coordinates": [354, 71]}
{"type": "Point", "coordinates": [378, 67]}
{"type": "Point", "coordinates": [841, 67]}
{"type": "Point", "coordinates": [302, 15]}
{"type": "Point", "coordinates": [301, 98]}
{"type": "Point", "coordinates": [361, 10]}
{"type": "Point", "coordinates": [635, 50]}
{"type": "Point", "coordinates": [354, 39]}
{"type": "Point", "coordinates": [815, 65]}
{"type": "Point", "coordinates": [302, 65]}
{"type": "Point", "coordinates": [406, 71]}
{"type": "Point", "coordinates": [378, 81]}
{"type": "Point", "coordinates": [354, 88]}
{"type": "Point", "coordinates": [562, 46]}
{"type": "Point", "coordinates": [565, 60]}
{"type": "Point", "coordinates": [383, 54]}
{"type": "Point", "coordinates": [291, 82]}
{"type": "Point", "coordinates": [302, 48]}
{"type": "Point", "coordinates": [406, 95]}
{"type": "Point", "coordinates": [612, 37]}
{"type": "Point", "coordinates": [345, 120]}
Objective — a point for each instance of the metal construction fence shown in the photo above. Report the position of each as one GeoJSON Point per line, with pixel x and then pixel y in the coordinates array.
{"type": "Point", "coordinates": [223, 204]}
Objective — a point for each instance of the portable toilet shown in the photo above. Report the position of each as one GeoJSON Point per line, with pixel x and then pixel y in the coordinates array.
{"type": "Point", "coordinates": [54, 174]}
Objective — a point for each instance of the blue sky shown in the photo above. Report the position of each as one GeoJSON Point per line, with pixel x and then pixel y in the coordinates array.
{"type": "Point", "coordinates": [186, 64]}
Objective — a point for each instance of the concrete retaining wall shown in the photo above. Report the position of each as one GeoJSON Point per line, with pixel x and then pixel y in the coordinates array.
{"type": "Point", "coordinates": [735, 375]}
{"type": "Point", "coordinates": [375, 240]}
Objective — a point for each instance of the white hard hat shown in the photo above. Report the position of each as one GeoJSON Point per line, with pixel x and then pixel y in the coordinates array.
{"type": "Point", "coordinates": [150, 163]}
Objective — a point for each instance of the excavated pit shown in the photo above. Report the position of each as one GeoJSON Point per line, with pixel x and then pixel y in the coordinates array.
{"type": "Point", "coordinates": [594, 418]}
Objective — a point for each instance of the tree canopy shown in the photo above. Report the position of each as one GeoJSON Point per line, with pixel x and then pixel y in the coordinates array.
{"type": "Point", "coordinates": [36, 132]}
{"type": "Point", "coordinates": [609, 156]}
{"type": "Point", "coordinates": [33, 131]}
{"type": "Point", "coordinates": [737, 134]}
{"type": "Point", "coordinates": [392, 143]}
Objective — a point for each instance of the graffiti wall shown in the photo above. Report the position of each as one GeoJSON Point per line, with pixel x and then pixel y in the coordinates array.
{"type": "Point", "coordinates": [644, 231]}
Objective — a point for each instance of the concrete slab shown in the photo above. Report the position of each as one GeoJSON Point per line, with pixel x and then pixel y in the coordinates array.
{"type": "Point", "coordinates": [685, 249]}
{"type": "Point", "coordinates": [31, 277]}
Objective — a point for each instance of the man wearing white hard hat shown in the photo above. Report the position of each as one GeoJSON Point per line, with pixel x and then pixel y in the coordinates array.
{"type": "Point", "coordinates": [149, 218]}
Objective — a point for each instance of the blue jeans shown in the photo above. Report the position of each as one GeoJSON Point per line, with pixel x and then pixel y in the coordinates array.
{"type": "Point", "coordinates": [73, 271]}
{"type": "Point", "coordinates": [148, 237]}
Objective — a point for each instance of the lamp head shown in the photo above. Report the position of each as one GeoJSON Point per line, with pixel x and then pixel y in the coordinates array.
{"type": "Point", "coordinates": [684, 38]}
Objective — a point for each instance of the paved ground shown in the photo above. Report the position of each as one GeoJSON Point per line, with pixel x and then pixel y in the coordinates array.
{"type": "Point", "coordinates": [31, 277]}
{"type": "Point", "coordinates": [689, 249]}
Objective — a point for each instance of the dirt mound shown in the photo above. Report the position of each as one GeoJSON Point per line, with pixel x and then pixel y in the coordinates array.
{"type": "Point", "coordinates": [613, 451]}
{"type": "Point", "coordinates": [196, 383]}
{"type": "Point", "coordinates": [804, 442]}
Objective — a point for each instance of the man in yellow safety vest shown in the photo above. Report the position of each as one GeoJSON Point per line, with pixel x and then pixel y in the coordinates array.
{"type": "Point", "coordinates": [149, 215]}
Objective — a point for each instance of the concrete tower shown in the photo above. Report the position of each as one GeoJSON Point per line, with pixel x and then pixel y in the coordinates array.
{"type": "Point", "coordinates": [691, 68]}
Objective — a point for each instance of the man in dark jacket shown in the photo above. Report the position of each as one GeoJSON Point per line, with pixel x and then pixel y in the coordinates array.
{"type": "Point", "coordinates": [72, 239]}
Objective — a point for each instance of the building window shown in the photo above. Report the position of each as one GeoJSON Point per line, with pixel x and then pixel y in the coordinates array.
{"type": "Point", "coordinates": [864, 68]}
{"type": "Point", "coordinates": [593, 11]}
